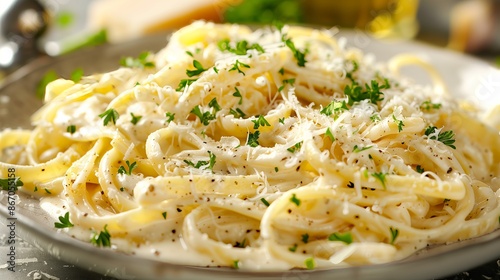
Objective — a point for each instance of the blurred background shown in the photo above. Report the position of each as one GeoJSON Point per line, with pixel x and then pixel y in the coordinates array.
{"type": "Point", "coordinates": [33, 28]}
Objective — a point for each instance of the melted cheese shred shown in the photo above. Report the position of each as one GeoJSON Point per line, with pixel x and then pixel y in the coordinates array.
{"type": "Point", "coordinates": [268, 176]}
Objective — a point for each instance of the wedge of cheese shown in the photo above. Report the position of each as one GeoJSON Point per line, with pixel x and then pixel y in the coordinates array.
{"type": "Point", "coordinates": [128, 19]}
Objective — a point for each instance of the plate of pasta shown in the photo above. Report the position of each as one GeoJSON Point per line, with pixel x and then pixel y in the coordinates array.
{"type": "Point", "coordinates": [274, 152]}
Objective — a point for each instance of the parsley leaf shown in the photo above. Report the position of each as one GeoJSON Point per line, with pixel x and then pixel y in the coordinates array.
{"type": "Point", "coordinates": [206, 117]}
{"type": "Point", "coordinates": [293, 248]}
{"type": "Point", "coordinates": [295, 200]}
{"type": "Point", "coordinates": [309, 262]}
{"type": "Point", "coordinates": [295, 147]}
{"type": "Point", "coordinates": [394, 234]}
{"type": "Point", "coordinates": [446, 137]}
{"type": "Point", "coordinates": [198, 71]}
{"type": "Point", "coordinates": [209, 164]}
{"type": "Point", "coordinates": [399, 123]}
{"type": "Point", "coordinates": [266, 203]}
{"type": "Point", "coordinates": [13, 183]}
{"type": "Point", "coordinates": [64, 221]}
{"type": "Point", "coordinates": [140, 62]}
{"type": "Point", "coordinates": [305, 237]}
{"type": "Point", "coordinates": [109, 115]}
{"type": "Point", "coordinates": [381, 177]}
{"type": "Point", "coordinates": [170, 116]}
{"type": "Point", "coordinates": [355, 93]}
{"type": "Point", "coordinates": [357, 149]}
{"type": "Point", "coordinates": [238, 94]}
{"type": "Point", "coordinates": [420, 169]}
{"type": "Point", "coordinates": [299, 56]}
{"type": "Point", "coordinates": [238, 113]}
{"type": "Point", "coordinates": [102, 239]}
{"type": "Point", "coordinates": [260, 121]}
{"type": "Point", "coordinates": [345, 237]}
{"type": "Point", "coordinates": [71, 129]}
{"type": "Point", "coordinates": [428, 105]}
{"type": "Point", "coordinates": [253, 139]}
{"type": "Point", "coordinates": [237, 65]}
{"type": "Point", "coordinates": [334, 108]}
{"type": "Point", "coordinates": [135, 119]}
{"type": "Point", "coordinates": [184, 83]}
{"type": "Point", "coordinates": [131, 166]}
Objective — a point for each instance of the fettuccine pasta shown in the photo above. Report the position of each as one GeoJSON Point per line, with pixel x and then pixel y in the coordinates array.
{"type": "Point", "coordinates": [267, 149]}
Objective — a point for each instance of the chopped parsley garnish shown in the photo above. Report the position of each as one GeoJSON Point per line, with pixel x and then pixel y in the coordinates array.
{"type": "Point", "coordinates": [184, 83]}
{"type": "Point", "coordinates": [309, 262]}
{"type": "Point", "coordinates": [123, 170]}
{"type": "Point", "coordinates": [345, 237]}
{"type": "Point", "coordinates": [428, 105]}
{"type": "Point", "coordinates": [305, 237]}
{"type": "Point", "coordinates": [71, 129]}
{"type": "Point", "coordinates": [276, 169]}
{"type": "Point", "coordinates": [266, 203]}
{"type": "Point", "coordinates": [47, 191]}
{"type": "Point", "coordinates": [420, 169]}
{"type": "Point", "coordinates": [189, 53]}
{"type": "Point", "coordinates": [206, 117]}
{"type": "Point", "coordinates": [77, 75]}
{"type": "Point", "coordinates": [164, 214]}
{"type": "Point", "coordinates": [295, 200]}
{"type": "Point", "coordinates": [281, 120]}
{"type": "Point", "coordinates": [236, 66]}
{"type": "Point", "coordinates": [355, 93]}
{"type": "Point", "coordinates": [290, 81]}
{"type": "Point", "coordinates": [253, 139]}
{"type": "Point", "coordinates": [358, 149]}
{"type": "Point", "coordinates": [355, 67]}
{"type": "Point", "coordinates": [209, 164]}
{"type": "Point", "coordinates": [329, 134]}
{"type": "Point", "coordinates": [109, 115]}
{"type": "Point", "coordinates": [199, 69]}
{"type": "Point", "coordinates": [399, 123]}
{"type": "Point", "coordinates": [135, 119]}
{"type": "Point", "coordinates": [394, 234]}
{"type": "Point", "coordinates": [299, 56]}
{"type": "Point", "coordinates": [260, 121]}
{"type": "Point", "coordinates": [282, 71]}
{"type": "Point", "coordinates": [170, 116]}
{"type": "Point", "coordinates": [238, 94]}
{"type": "Point", "coordinates": [242, 47]}
{"type": "Point", "coordinates": [295, 147]}
{"type": "Point", "coordinates": [375, 118]}
{"type": "Point", "coordinates": [293, 248]}
{"type": "Point", "coordinates": [64, 221]}
{"type": "Point", "coordinates": [236, 264]}
{"type": "Point", "coordinates": [140, 62]}
{"type": "Point", "coordinates": [381, 177]}
{"type": "Point", "coordinates": [237, 113]}
{"type": "Point", "coordinates": [216, 70]}
{"type": "Point", "coordinates": [445, 137]}
{"type": "Point", "coordinates": [334, 108]}
{"type": "Point", "coordinates": [102, 239]}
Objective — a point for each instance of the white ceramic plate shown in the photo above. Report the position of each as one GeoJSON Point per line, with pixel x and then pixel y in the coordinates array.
{"type": "Point", "coordinates": [466, 77]}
